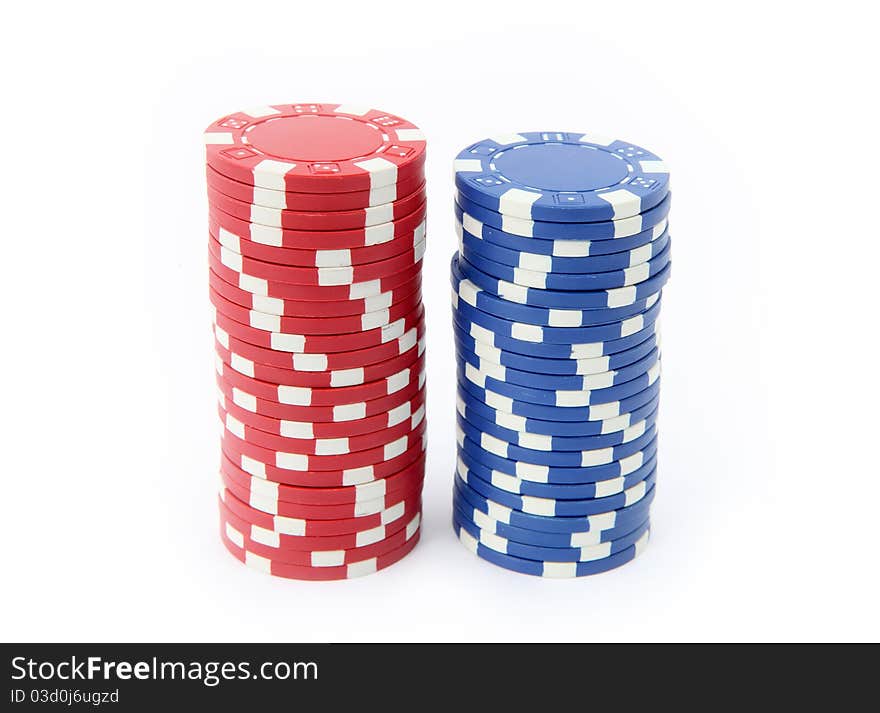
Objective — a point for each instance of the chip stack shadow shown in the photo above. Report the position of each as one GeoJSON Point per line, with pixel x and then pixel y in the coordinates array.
{"type": "Point", "coordinates": [563, 254]}
{"type": "Point", "coordinates": [316, 235]}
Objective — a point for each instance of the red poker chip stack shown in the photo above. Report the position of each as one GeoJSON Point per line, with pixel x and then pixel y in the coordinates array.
{"type": "Point", "coordinates": [316, 235]}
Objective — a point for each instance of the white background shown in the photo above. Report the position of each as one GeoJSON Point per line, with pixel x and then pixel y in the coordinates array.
{"type": "Point", "coordinates": [765, 524]}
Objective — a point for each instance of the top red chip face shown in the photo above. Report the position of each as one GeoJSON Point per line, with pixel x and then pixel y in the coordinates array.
{"type": "Point", "coordinates": [315, 148]}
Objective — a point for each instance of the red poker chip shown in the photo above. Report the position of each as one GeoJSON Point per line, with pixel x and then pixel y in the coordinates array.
{"type": "Point", "coordinates": [324, 363]}
{"type": "Point", "coordinates": [319, 343]}
{"type": "Point", "coordinates": [323, 240]}
{"type": "Point", "coordinates": [323, 574]}
{"type": "Point", "coordinates": [320, 479]}
{"type": "Point", "coordinates": [307, 293]}
{"type": "Point", "coordinates": [348, 496]}
{"type": "Point", "coordinates": [312, 326]}
{"type": "Point", "coordinates": [273, 506]}
{"type": "Point", "coordinates": [317, 559]}
{"type": "Point", "coordinates": [315, 148]}
{"type": "Point", "coordinates": [320, 446]}
{"type": "Point", "coordinates": [323, 220]}
{"type": "Point", "coordinates": [319, 414]}
{"type": "Point", "coordinates": [312, 310]}
{"type": "Point", "coordinates": [317, 276]}
{"type": "Point", "coordinates": [317, 379]}
{"type": "Point", "coordinates": [317, 257]}
{"type": "Point", "coordinates": [304, 463]}
{"type": "Point", "coordinates": [316, 396]}
{"type": "Point", "coordinates": [311, 429]}
{"type": "Point", "coordinates": [288, 200]}
{"type": "Point", "coordinates": [297, 543]}
{"type": "Point", "coordinates": [404, 508]}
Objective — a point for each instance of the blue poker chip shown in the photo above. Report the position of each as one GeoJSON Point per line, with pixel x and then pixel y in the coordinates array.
{"type": "Point", "coordinates": [588, 538]}
{"type": "Point", "coordinates": [558, 429]}
{"type": "Point", "coordinates": [538, 365]}
{"type": "Point", "coordinates": [563, 299]}
{"type": "Point", "coordinates": [557, 382]}
{"type": "Point", "coordinates": [565, 398]}
{"type": "Point", "coordinates": [576, 451]}
{"type": "Point", "coordinates": [572, 265]}
{"type": "Point", "coordinates": [546, 442]}
{"type": "Point", "coordinates": [478, 298]}
{"type": "Point", "coordinates": [556, 474]}
{"type": "Point", "coordinates": [559, 508]}
{"type": "Point", "coordinates": [572, 351]}
{"type": "Point", "coordinates": [557, 248]}
{"type": "Point", "coordinates": [597, 412]}
{"type": "Point", "coordinates": [561, 176]}
{"type": "Point", "coordinates": [550, 491]}
{"type": "Point", "coordinates": [557, 335]}
{"type": "Point", "coordinates": [551, 570]}
{"type": "Point", "coordinates": [631, 515]}
{"type": "Point", "coordinates": [583, 282]}
{"type": "Point", "coordinates": [530, 551]}
{"type": "Point", "coordinates": [544, 230]}
{"type": "Point", "coordinates": [554, 459]}
{"type": "Point", "coordinates": [496, 543]}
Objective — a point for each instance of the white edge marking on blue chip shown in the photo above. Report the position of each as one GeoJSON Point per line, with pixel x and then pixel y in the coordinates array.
{"type": "Point", "coordinates": [653, 167]}
{"type": "Point", "coordinates": [622, 296]}
{"type": "Point", "coordinates": [538, 506]}
{"type": "Point", "coordinates": [467, 165]}
{"type": "Point", "coordinates": [622, 201]}
{"type": "Point", "coordinates": [559, 570]}
{"type": "Point", "coordinates": [659, 229]}
{"type": "Point", "coordinates": [571, 248]}
{"type": "Point", "coordinates": [472, 225]}
{"type": "Point", "coordinates": [499, 512]}
{"type": "Point", "coordinates": [517, 201]}
{"type": "Point", "coordinates": [597, 139]}
{"type": "Point", "coordinates": [606, 488]}
{"type": "Point", "coordinates": [535, 262]}
{"type": "Point", "coordinates": [468, 540]}
{"type": "Point", "coordinates": [517, 226]}
{"type": "Point", "coordinates": [626, 227]}
{"type": "Point", "coordinates": [532, 471]}
{"type": "Point", "coordinates": [513, 292]}
{"type": "Point", "coordinates": [474, 375]}
{"type": "Point", "coordinates": [530, 278]}
{"type": "Point", "coordinates": [468, 292]}
{"type": "Point", "coordinates": [493, 541]}
{"type": "Point", "coordinates": [596, 552]}
{"type": "Point", "coordinates": [527, 332]}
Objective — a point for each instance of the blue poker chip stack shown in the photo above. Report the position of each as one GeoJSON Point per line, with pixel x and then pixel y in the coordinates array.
{"type": "Point", "coordinates": [563, 254]}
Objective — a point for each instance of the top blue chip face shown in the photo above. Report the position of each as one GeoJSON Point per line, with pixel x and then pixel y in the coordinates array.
{"type": "Point", "coordinates": [561, 177]}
